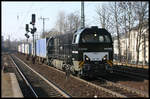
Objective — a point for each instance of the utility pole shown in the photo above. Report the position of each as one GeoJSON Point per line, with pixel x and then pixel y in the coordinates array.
{"type": "Point", "coordinates": [27, 36]}
{"type": "Point", "coordinates": [9, 45]}
{"type": "Point", "coordinates": [33, 30]}
{"type": "Point", "coordinates": [82, 15]}
{"type": "Point", "coordinates": [43, 19]}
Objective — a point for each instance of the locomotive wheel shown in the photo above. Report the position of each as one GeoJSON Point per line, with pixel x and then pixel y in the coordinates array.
{"type": "Point", "coordinates": [48, 62]}
{"type": "Point", "coordinates": [79, 75]}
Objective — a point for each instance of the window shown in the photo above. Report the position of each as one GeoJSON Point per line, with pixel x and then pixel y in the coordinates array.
{"type": "Point", "coordinates": [95, 38]}
{"type": "Point", "coordinates": [101, 38]}
{"type": "Point", "coordinates": [107, 39]}
{"type": "Point", "coordinates": [76, 39]}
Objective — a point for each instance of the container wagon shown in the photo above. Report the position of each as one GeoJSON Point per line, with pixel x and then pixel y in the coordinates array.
{"type": "Point", "coordinates": [27, 49]}
{"type": "Point", "coordinates": [41, 49]}
{"type": "Point", "coordinates": [19, 48]}
{"type": "Point", "coordinates": [23, 48]}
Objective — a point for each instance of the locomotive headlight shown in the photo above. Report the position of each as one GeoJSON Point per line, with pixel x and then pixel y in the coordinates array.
{"type": "Point", "coordinates": [75, 52]}
{"type": "Point", "coordinates": [95, 35]}
{"type": "Point", "coordinates": [105, 57]}
{"type": "Point", "coordinates": [87, 58]}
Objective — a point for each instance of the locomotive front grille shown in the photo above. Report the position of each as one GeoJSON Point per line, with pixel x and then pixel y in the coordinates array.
{"type": "Point", "coordinates": [95, 56]}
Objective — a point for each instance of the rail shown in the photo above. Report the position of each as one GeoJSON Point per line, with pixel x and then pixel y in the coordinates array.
{"type": "Point", "coordinates": [24, 78]}
{"type": "Point", "coordinates": [131, 65]}
{"type": "Point", "coordinates": [62, 92]}
{"type": "Point", "coordinates": [129, 91]}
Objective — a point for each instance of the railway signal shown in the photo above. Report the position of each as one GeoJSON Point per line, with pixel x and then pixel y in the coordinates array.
{"type": "Point", "coordinates": [33, 19]}
{"type": "Point", "coordinates": [27, 28]}
{"type": "Point", "coordinates": [27, 36]}
{"type": "Point", "coordinates": [33, 30]}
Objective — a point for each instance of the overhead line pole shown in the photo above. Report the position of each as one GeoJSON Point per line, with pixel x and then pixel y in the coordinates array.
{"type": "Point", "coordinates": [82, 15]}
{"type": "Point", "coordinates": [43, 19]}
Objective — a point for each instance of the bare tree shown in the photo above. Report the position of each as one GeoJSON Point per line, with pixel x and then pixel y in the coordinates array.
{"type": "Point", "coordinates": [60, 23]}
{"type": "Point", "coordinates": [64, 23]}
{"type": "Point", "coordinates": [70, 22]}
{"type": "Point", "coordinates": [123, 17]}
{"type": "Point", "coordinates": [142, 12]}
{"type": "Point", "coordinates": [104, 16]}
{"type": "Point", "coordinates": [51, 33]}
{"type": "Point", "coordinates": [117, 24]}
{"type": "Point", "coordinates": [110, 19]}
{"type": "Point", "coordinates": [73, 21]}
{"type": "Point", "coordinates": [128, 21]}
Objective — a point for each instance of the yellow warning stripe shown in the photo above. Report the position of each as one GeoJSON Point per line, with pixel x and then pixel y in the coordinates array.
{"type": "Point", "coordinates": [110, 62]}
{"type": "Point", "coordinates": [81, 64]}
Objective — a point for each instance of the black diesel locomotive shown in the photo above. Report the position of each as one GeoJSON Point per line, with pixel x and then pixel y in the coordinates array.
{"type": "Point", "coordinates": [87, 52]}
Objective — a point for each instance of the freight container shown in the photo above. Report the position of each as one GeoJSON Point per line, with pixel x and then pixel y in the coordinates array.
{"type": "Point", "coordinates": [31, 48]}
{"type": "Point", "coordinates": [41, 48]}
{"type": "Point", "coordinates": [22, 48]}
{"type": "Point", "coordinates": [28, 48]}
{"type": "Point", "coordinates": [19, 48]}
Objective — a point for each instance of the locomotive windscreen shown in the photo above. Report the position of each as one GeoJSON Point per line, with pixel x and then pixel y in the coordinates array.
{"type": "Point", "coordinates": [95, 38]}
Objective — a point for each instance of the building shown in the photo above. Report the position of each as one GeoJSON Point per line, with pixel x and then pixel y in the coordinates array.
{"type": "Point", "coordinates": [132, 53]}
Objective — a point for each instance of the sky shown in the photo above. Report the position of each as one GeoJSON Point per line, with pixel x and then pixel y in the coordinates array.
{"type": "Point", "coordinates": [16, 14]}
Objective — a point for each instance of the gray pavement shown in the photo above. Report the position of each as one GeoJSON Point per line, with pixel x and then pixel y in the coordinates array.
{"type": "Point", "coordinates": [10, 86]}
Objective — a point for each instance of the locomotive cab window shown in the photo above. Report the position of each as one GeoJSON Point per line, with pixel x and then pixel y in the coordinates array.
{"type": "Point", "coordinates": [101, 38]}
{"type": "Point", "coordinates": [107, 39]}
{"type": "Point", "coordinates": [76, 39]}
{"type": "Point", "coordinates": [95, 38]}
{"type": "Point", "coordinates": [50, 43]}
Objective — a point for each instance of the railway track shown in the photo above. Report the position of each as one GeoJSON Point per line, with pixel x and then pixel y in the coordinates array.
{"type": "Point", "coordinates": [116, 90]}
{"type": "Point", "coordinates": [103, 90]}
{"type": "Point", "coordinates": [140, 72]}
{"type": "Point", "coordinates": [121, 89]}
{"type": "Point", "coordinates": [131, 65]}
{"type": "Point", "coordinates": [11, 68]}
{"type": "Point", "coordinates": [132, 74]}
{"type": "Point", "coordinates": [39, 86]}
{"type": "Point", "coordinates": [24, 78]}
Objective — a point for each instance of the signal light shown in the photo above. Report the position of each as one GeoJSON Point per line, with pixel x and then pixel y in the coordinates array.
{"type": "Point", "coordinates": [27, 35]}
{"type": "Point", "coordinates": [33, 30]}
{"type": "Point", "coordinates": [27, 27]}
{"type": "Point", "coordinates": [33, 19]}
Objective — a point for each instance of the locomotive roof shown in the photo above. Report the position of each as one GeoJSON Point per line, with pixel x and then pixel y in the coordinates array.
{"type": "Point", "coordinates": [80, 31]}
{"type": "Point", "coordinates": [94, 29]}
